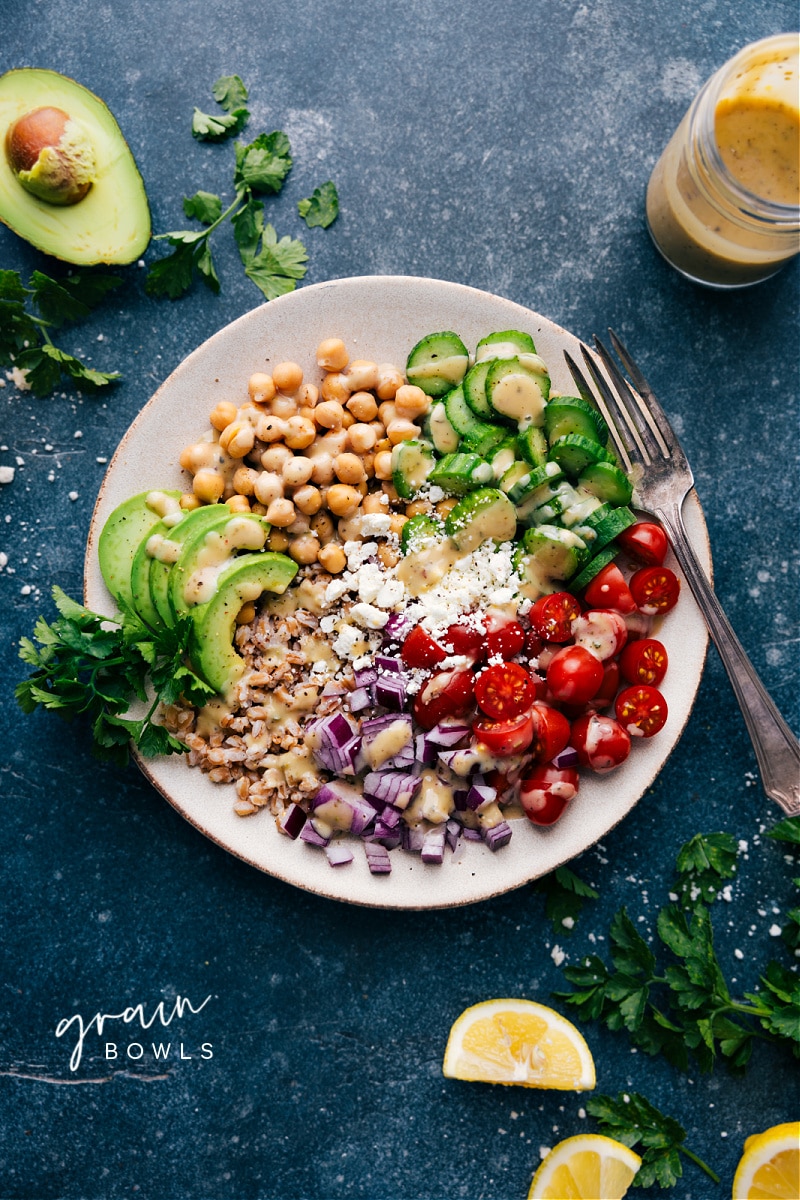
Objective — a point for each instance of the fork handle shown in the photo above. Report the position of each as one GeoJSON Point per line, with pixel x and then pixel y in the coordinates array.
{"type": "Point", "coordinates": [777, 749]}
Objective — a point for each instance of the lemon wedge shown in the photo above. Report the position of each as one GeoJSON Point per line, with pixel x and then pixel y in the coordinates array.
{"type": "Point", "coordinates": [518, 1042]}
{"type": "Point", "coordinates": [769, 1169]}
{"type": "Point", "coordinates": [586, 1167]}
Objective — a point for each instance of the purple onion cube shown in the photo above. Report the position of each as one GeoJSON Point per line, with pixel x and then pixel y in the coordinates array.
{"type": "Point", "coordinates": [309, 834]}
{"type": "Point", "coordinates": [338, 853]}
{"type": "Point", "coordinates": [567, 758]}
{"type": "Point", "coordinates": [377, 858]}
{"type": "Point", "coordinates": [497, 836]}
{"type": "Point", "coordinates": [391, 693]}
{"type": "Point", "coordinates": [397, 628]}
{"type": "Point", "coordinates": [433, 845]}
{"type": "Point", "coordinates": [471, 835]}
{"type": "Point", "coordinates": [452, 832]}
{"type": "Point", "coordinates": [448, 734]}
{"type": "Point", "coordinates": [386, 665]}
{"type": "Point", "coordinates": [292, 820]}
{"type": "Point", "coordinates": [359, 699]}
{"type": "Point", "coordinates": [425, 750]}
{"type": "Point", "coordinates": [480, 795]}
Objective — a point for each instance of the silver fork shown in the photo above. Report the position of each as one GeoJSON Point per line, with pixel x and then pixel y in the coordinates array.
{"type": "Point", "coordinates": [647, 444]}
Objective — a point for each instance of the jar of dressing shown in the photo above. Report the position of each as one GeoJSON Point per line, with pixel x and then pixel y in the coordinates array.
{"type": "Point", "coordinates": [723, 202]}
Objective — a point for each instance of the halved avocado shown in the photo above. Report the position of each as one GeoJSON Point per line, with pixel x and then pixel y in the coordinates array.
{"type": "Point", "coordinates": [212, 651]}
{"type": "Point", "coordinates": [120, 538]}
{"type": "Point", "coordinates": [96, 210]}
{"type": "Point", "coordinates": [158, 573]}
{"type": "Point", "coordinates": [220, 541]}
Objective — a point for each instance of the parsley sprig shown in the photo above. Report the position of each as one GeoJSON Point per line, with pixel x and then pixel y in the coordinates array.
{"type": "Point", "coordinates": [658, 1139]}
{"type": "Point", "coordinates": [25, 335]}
{"type": "Point", "coordinates": [231, 94]}
{"type": "Point", "coordinates": [89, 667]}
{"type": "Point", "coordinates": [566, 893]}
{"type": "Point", "coordinates": [685, 1007]}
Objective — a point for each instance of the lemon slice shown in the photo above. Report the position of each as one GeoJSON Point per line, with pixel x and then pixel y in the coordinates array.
{"type": "Point", "coordinates": [518, 1041]}
{"type": "Point", "coordinates": [769, 1169]}
{"type": "Point", "coordinates": [586, 1167]}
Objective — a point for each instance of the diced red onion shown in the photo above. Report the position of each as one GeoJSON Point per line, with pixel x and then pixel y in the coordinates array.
{"type": "Point", "coordinates": [390, 817]}
{"type": "Point", "coordinates": [387, 837]}
{"type": "Point", "coordinates": [339, 795]}
{"type": "Point", "coordinates": [448, 734]}
{"type": "Point", "coordinates": [359, 699]}
{"type": "Point", "coordinates": [375, 725]}
{"type": "Point", "coordinates": [377, 858]}
{"type": "Point", "coordinates": [425, 750]}
{"type": "Point", "coordinates": [433, 845]}
{"type": "Point", "coordinates": [392, 787]}
{"type": "Point", "coordinates": [413, 837]}
{"type": "Point", "coordinates": [471, 835]}
{"type": "Point", "coordinates": [452, 832]}
{"type": "Point", "coordinates": [479, 795]}
{"type": "Point", "coordinates": [390, 691]}
{"type": "Point", "coordinates": [365, 677]}
{"type": "Point", "coordinates": [309, 834]}
{"type": "Point", "coordinates": [338, 853]}
{"type": "Point", "coordinates": [461, 762]}
{"type": "Point", "coordinates": [567, 758]}
{"type": "Point", "coordinates": [460, 799]}
{"type": "Point", "coordinates": [384, 664]}
{"type": "Point", "coordinates": [292, 820]}
{"type": "Point", "coordinates": [497, 836]}
{"type": "Point", "coordinates": [397, 628]}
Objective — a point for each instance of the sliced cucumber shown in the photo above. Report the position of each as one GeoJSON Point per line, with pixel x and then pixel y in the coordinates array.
{"type": "Point", "coordinates": [437, 363]}
{"type": "Point", "coordinates": [572, 414]}
{"type": "Point", "coordinates": [503, 456]}
{"type": "Point", "coordinates": [437, 427]}
{"type": "Point", "coordinates": [611, 525]}
{"type": "Point", "coordinates": [412, 463]}
{"type": "Point", "coordinates": [516, 393]}
{"type": "Point", "coordinates": [507, 344]}
{"type": "Point", "coordinates": [594, 567]}
{"type": "Point", "coordinates": [474, 386]}
{"type": "Point", "coordinates": [533, 446]}
{"type": "Point", "coordinates": [482, 515]}
{"type": "Point", "coordinates": [419, 531]}
{"type": "Point", "coordinates": [579, 513]}
{"type": "Point", "coordinates": [458, 474]}
{"type": "Point", "coordinates": [574, 453]}
{"type": "Point", "coordinates": [559, 553]}
{"type": "Point", "coordinates": [606, 481]}
{"type": "Point", "coordinates": [475, 434]}
{"type": "Point", "coordinates": [562, 499]}
{"type": "Point", "coordinates": [543, 485]}
{"type": "Point", "coordinates": [516, 481]}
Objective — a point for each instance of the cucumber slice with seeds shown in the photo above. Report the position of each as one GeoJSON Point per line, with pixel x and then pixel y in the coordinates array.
{"type": "Point", "coordinates": [482, 515]}
{"type": "Point", "coordinates": [558, 552]}
{"type": "Point", "coordinates": [458, 474]}
{"type": "Point", "coordinates": [437, 363]}
{"type": "Point", "coordinates": [474, 386]}
{"type": "Point", "coordinates": [606, 481]}
{"type": "Point", "coordinates": [438, 429]}
{"type": "Point", "coordinates": [572, 414]}
{"type": "Point", "coordinates": [412, 463]}
{"type": "Point", "coordinates": [516, 393]}
{"type": "Point", "coordinates": [575, 453]}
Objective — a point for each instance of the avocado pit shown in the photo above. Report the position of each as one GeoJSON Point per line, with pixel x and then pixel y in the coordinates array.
{"type": "Point", "coordinates": [51, 156]}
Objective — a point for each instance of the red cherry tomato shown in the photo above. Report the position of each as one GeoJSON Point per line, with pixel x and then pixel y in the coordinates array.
{"type": "Point", "coordinates": [646, 542]}
{"type": "Point", "coordinates": [505, 737]}
{"type": "Point", "coordinates": [550, 732]}
{"type": "Point", "coordinates": [601, 742]}
{"type": "Point", "coordinates": [655, 589]}
{"type": "Point", "coordinates": [641, 710]}
{"type": "Point", "coordinates": [546, 791]}
{"type": "Point", "coordinates": [467, 640]}
{"type": "Point", "coordinates": [574, 675]}
{"type": "Point", "coordinates": [602, 632]}
{"type": "Point", "coordinates": [533, 645]}
{"type": "Point", "coordinates": [551, 616]}
{"type": "Point", "coordinates": [503, 637]}
{"type": "Point", "coordinates": [644, 661]}
{"type": "Point", "coordinates": [446, 694]}
{"type": "Point", "coordinates": [504, 690]}
{"type": "Point", "coordinates": [608, 589]}
{"type": "Point", "coordinates": [604, 696]}
{"type": "Point", "coordinates": [420, 650]}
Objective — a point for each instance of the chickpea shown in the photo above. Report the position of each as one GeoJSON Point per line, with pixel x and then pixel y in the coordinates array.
{"type": "Point", "coordinates": [342, 499]}
{"type": "Point", "coordinates": [278, 541]}
{"type": "Point", "coordinates": [237, 439]}
{"type": "Point", "coordinates": [410, 401]}
{"type": "Point", "coordinates": [208, 485]}
{"type": "Point", "coordinates": [281, 513]}
{"type": "Point", "coordinates": [275, 458]}
{"type": "Point", "coordinates": [362, 374]}
{"type": "Point", "coordinates": [349, 469]}
{"type": "Point", "coordinates": [189, 502]}
{"type": "Point", "coordinates": [322, 469]}
{"type": "Point", "coordinates": [391, 491]}
{"type": "Point", "coordinates": [417, 507]}
{"type": "Point", "coordinates": [222, 414]}
{"type": "Point", "coordinates": [283, 407]}
{"type": "Point", "coordinates": [389, 380]}
{"type": "Point", "coordinates": [375, 502]}
{"type": "Point", "coordinates": [363, 407]}
{"type": "Point", "coordinates": [297, 471]}
{"type": "Point", "coordinates": [333, 558]}
{"type": "Point", "coordinates": [308, 395]}
{"type": "Point", "coordinates": [401, 430]}
{"type": "Point", "coordinates": [268, 487]}
{"type": "Point", "coordinates": [445, 507]}
{"type": "Point", "coordinates": [329, 414]}
{"type": "Point", "coordinates": [383, 442]}
{"type": "Point", "coordinates": [334, 442]}
{"type": "Point", "coordinates": [362, 437]}
{"type": "Point", "coordinates": [307, 412]}
{"type": "Point", "coordinates": [270, 429]}
{"type": "Point", "coordinates": [246, 613]}
{"type": "Point", "coordinates": [258, 508]}
{"type": "Point", "coordinates": [287, 376]}
{"type": "Point", "coordinates": [260, 387]}
{"type": "Point", "coordinates": [396, 523]}
{"type": "Point", "coordinates": [304, 549]}
{"type": "Point", "coordinates": [369, 464]}
{"type": "Point", "coordinates": [347, 420]}
{"type": "Point", "coordinates": [332, 355]}
{"type": "Point", "coordinates": [308, 499]}
{"type": "Point", "coordinates": [335, 387]}
{"type": "Point", "coordinates": [300, 432]}
{"type": "Point", "coordinates": [387, 555]}
{"type": "Point", "coordinates": [383, 464]}
{"type": "Point", "coordinates": [387, 411]}
{"type": "Point", "coordinates": [349, 528]}
{"type": "Point", "coordinates": [322, 526]}
{"type": "Point", "coordinates": [238, 504]}
{"type": "Point", "coordinates": [244, 481]}
{"type": "Point", "coordinates": [201, 454]}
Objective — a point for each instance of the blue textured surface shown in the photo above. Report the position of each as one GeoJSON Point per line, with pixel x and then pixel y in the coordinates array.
{"type": "Point", "coordinates": [507, 149]}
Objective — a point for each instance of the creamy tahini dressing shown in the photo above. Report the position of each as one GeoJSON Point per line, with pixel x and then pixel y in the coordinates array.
{"type": "Point", "coordinates": [452, 369]}
{"type": "Point", "coordinates": [163, 504]}
{"type": "Point", "coordinates": [518, 395]}
{"type": "Point", "coordinates": [217, 553]}
{"type": "Point", "coordinates": [388, 743]}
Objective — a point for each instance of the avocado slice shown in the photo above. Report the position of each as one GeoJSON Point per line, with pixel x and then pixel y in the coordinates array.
{"type": "Point", "coordinates": [156, 571]}
{"type": "Point", "coordinates": [69, 185]}
{"type": "Point", "coordinates": [212, 650]}
{"type": "Point", "coordinates": [130, 523]}
{"type": "Point", "coordinates": [208, 552]}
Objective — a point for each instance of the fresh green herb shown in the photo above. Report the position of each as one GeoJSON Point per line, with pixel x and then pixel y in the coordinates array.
{"type": "Point", "coordinates": [656, 1138]}
{"type": "Point", "coordinates": [321, 208]}
{"type": "Point", "coordinates": [87, 666]}
{"type": "Point", "coordinates": [703, 864]}
{"type": "Point", "coordinates": [566, 893]}
{"type": "Point", "coordinates": [686, 1007]}
{"type": "Point", "coordinates": [787, 830]}
{"type": "Point", "coordinates": [25, 341]}
{"type": "Point", "coordinates": [231, 94]}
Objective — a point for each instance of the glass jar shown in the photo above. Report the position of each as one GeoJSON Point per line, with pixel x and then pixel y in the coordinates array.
{"type": "Point", "coordinates": [723, 202]}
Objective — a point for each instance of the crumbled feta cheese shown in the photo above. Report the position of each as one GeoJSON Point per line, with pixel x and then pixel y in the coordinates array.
{"type": "Point", "coordinates": [375, 524]}
{"type": "Point", "coordinates": [19, 378]}
{"type": "Point", "coordinates": [774, 931]}
{"type": "Point", "coordinates": [335, 590]}
{"type": "Point", "coordinates": [7, 474]}
{"type": "Point", "coordinates": [557, 955]}
{"type": "Point", "coordinates": [368, 616]}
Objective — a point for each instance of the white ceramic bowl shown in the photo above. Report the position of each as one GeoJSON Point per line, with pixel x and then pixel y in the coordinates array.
{"type": "Point", "coordinates": [379, 318]}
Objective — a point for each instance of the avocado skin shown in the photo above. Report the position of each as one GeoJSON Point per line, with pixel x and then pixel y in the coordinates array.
{"type": "Point", "coordinates": [212, 650]}
{"type": "Point", "coordinates": [111, 223]}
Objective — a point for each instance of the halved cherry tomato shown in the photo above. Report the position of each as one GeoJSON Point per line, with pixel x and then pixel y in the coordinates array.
{"type": "Point", "coordinates": [601, 631]}
{"type": "Point", "coordinates": [574, 675]}
{"type": "Point", "coordinates": [533, 645]}
{"type": "Point", "coordinates": [644, 661]}
{"type": "Point", "coordinates": [505, 737]}
{"type": "Point", "coordinates": [467, 640]}
{"type": "Point", "coordinates": [646, 542]}
{"type": "Point", "coordinates": [420, 650]}
{"type": "Point", "coordinates": [504, 690]}
{"type": "Point", "coordinates": [608, 589]}
{"type": "Point", "coordinates": [655, 589]}
{"type": "Point", "coordinates": [545, 792]}
{"type": "Point", "coordinates": [550, 732]}
{"type": "Point", "coordinates": [504, 637]}
{"type": "Point", "coordinates": [605, 694]}
{"type": "Point", "coordinates": [601, 742]}
{"type": "Point", "coordinates": [446, 694]}
{"type": "Point", "coordinates": [641, 710]}
{"type": "Point", "coordinates": [551, 616]}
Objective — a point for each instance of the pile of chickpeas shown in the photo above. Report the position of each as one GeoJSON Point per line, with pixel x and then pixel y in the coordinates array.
{"type": "Point", "coordinates": [313, 460]}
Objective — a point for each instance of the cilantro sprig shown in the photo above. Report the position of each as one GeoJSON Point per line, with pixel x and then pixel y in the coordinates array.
{"type": "Point", "coordinates": [86, 666]}
{"type": "Point", "coordinates": [658, 1139]}
{"type": "Point", "coordinates": [231, 94]}
{"type": "Point", "coordinates": [321, 208]}
{"type": "Point", "coordinates": [685, 1007]}
{"type": "Point", "coordinates": [566, 893]}
{"type": "Point", "coordinates": [25, 335]}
